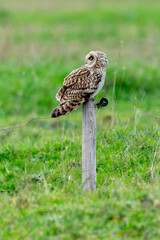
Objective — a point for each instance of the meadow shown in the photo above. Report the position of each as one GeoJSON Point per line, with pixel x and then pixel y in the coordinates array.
{"type": "Point", "coordinates": [41, 194]}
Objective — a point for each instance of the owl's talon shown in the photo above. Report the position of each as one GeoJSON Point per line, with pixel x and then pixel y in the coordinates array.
{"type": "Point", "coordinates": [102, 103]}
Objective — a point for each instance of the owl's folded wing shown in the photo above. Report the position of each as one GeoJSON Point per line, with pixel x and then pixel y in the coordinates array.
{"type": "Point", "coordinates": [77, 76]}
{"type": "Point", "coordinates": [79, 84]}
{"type": "Point", "coordinates": [74, 84]}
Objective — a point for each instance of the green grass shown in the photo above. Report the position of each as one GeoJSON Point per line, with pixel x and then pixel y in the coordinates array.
{"type": "Point", "coordinates": [41, 194]}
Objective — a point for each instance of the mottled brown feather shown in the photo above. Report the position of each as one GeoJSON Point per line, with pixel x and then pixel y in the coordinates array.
{"type": "Point", "coordinates": [77, 84]}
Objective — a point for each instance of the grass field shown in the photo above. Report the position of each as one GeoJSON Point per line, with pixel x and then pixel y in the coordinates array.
{"type": "Point", "coordinates": [41, 194]}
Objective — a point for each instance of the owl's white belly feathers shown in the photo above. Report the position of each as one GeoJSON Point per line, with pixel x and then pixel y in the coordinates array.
{"type": "Point", "coordinates": [101, 83]}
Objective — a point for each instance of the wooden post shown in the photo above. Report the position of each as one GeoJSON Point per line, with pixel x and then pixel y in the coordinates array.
{"type": "Point", "coordinates": [89, 145]}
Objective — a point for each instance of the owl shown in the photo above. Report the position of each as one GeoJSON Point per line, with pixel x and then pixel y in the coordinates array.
{"type": "Point", "coordinates": [82, 84]}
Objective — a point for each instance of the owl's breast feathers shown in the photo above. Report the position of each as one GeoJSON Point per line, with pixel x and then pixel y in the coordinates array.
{"type": "Point", "coordinates": [78, 87]}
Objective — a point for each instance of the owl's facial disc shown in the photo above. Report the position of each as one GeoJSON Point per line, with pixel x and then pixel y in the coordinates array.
{"type": "Point", "coordinates": [90, 59]}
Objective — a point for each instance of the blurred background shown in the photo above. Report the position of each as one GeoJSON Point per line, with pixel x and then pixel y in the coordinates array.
{"type": "Point", "coordinates": [41, 42]}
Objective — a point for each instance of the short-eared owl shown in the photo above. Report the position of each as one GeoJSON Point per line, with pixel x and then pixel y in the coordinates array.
{"type": "Point", "coordinates": [82, 83]}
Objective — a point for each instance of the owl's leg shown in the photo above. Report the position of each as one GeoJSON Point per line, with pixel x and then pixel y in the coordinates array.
{"type": "Point", "coordinates": [102, 103]}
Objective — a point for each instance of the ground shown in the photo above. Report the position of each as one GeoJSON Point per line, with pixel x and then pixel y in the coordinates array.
{"type": "Point", "coordinates": [41, 194]}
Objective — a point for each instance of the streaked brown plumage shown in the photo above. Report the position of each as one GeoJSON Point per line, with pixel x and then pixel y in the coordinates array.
{"type": "Point", "coordinates": [82, 83]}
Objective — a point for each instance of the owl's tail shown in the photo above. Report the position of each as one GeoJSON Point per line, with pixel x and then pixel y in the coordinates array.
{"type": "Point", "coordinates": [65, 108]}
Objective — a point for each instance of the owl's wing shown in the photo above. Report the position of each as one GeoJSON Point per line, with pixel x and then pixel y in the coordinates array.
{"type": "Point", "coordinates": [77, 85]}
{"type": "Point", "coordinates": [76, 76]}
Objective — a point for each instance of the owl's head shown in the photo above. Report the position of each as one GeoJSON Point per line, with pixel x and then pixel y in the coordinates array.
{"type": "Point", "coordinates": [97, 59]}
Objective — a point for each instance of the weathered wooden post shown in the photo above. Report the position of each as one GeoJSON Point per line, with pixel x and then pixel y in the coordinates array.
{"type": "Point", "coordinates": [89, 145]}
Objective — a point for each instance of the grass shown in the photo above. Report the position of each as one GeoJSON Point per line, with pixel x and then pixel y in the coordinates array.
{"type": "Point", "coordinates": [41, 193]}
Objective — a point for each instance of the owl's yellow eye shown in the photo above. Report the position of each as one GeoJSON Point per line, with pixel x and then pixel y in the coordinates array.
{"type": "Point", "coordinates": [90, 58]}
